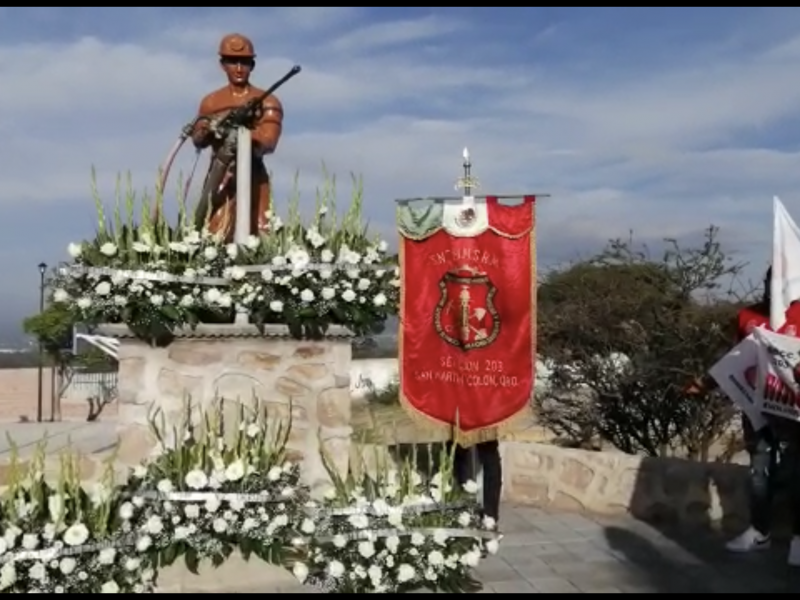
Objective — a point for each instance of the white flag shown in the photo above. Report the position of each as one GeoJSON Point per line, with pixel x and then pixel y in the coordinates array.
{"type": "Point", "coordinates": [785, 284]}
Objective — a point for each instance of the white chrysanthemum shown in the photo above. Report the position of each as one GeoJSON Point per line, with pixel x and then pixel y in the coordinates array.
{"type": "Point", "coordinates": [307, 295]}
{"type": "Point", "coordinates": [492, 546]}
{"type": "Point", "coordinates": [276, 306]}
{"type": "Point", "coordinates": [379, 299]}
{"type": "Point", "coordinates": [348, 295]}
{"type": "Point", "coordinates": [76, 535]}
{"type": "Point", "coordinates": [196, 479]}
{"type": "Point", "coordinates": [405, 573]}
{"type": "Point", "coordinates": [235, 471]}
{"type": "Point", "coordinates": [109, 587]}
{"type": "Point", "coordinates": [335, 569]}
{"type": "Point", "coordinates": [300, 571]}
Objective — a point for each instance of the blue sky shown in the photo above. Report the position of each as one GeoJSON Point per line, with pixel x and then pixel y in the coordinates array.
{"type": "Point", "coordinates": [660, 120]}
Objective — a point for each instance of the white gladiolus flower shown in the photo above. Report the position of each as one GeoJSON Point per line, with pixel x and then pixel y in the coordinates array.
{"type": "Point", "coordinates": [383, 246]}
{"type": "Point", "coordinates": [108, 249]}
{"type": "Point", "coordinates": [253, 430]}
{"type": "Point", "coordinates": [300, 571]}
{"type": "Point", "coordinates": [75, 250]}
{"type": "Point", "coordinates": [348, 295]}
{"type": "Point", "coordinates": [55, 506]}
{"type": "Point", "coordinates": [76, 535]}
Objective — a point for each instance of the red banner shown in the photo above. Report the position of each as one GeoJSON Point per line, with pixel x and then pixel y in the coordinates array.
{"type": "Point", "coordinates": [468, 326]}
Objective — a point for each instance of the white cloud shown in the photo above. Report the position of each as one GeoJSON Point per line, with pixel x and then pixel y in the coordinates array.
{"type": "Point", "coordinates": [659, 149]}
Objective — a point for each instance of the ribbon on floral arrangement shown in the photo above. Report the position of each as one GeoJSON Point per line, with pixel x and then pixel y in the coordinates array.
{"type": "Point", "coordinates": [373, 534]}
{"type": "Point", "coordinates": [163, 277]}
{"type": "Point", "coordinates": [467, 312]}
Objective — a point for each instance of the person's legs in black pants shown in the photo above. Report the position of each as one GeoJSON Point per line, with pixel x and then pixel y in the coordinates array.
{"type": "Point", "coordinates": [763, 449]}
{"type": "Point", "coordinates": [792, 458]}
{"type": "Point", "coordinates": [489, 460]}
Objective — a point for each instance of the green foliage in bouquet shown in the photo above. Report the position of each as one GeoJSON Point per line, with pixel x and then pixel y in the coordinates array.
{"type": "Point", "coordinates": [398, 531]}
{"type": "Point", "coordinates": [66, 538]}
{"type": "Point", "coordinates": [156, 277]}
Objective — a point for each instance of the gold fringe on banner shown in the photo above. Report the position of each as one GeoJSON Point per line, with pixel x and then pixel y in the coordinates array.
{"type": "Point", "coordinates": [443, 431]}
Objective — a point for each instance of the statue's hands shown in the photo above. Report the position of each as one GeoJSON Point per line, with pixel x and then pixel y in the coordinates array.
{"type": "Point", "coordinates": [202, 135]}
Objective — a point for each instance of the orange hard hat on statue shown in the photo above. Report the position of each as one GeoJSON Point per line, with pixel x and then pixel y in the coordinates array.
{"type": "Point", "coordinates": [235, 45]}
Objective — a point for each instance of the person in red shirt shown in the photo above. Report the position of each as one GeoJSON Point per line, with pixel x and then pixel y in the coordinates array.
{"type": "Point", "coordinates": [763, 444]}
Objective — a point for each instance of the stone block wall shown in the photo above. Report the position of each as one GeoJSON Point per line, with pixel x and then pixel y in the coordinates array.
{"type": "Point", "coordinates": [651, 489]}
{"type": "Point", "coordinates": [307, 382]}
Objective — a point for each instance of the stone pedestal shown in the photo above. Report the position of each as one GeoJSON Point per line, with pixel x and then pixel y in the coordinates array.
{"type": "Point", "coordinates": [239, 364]}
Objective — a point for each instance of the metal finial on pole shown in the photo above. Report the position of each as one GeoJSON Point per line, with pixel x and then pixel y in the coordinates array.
{"type": "Point", "coordinates": [467, 182]}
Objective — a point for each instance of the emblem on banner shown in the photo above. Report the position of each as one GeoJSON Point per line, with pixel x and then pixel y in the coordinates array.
{"type": "Point", "coordinates": [465, 315]}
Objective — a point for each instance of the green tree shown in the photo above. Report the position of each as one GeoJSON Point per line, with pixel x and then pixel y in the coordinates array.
{"type": "Point", "coordinates": [624, 333]}
{"type": "Point", "coordinates": [53, 329]}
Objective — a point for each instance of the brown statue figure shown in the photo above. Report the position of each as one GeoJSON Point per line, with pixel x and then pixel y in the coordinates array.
{"type": "Point", "coordinates": [237, 58]}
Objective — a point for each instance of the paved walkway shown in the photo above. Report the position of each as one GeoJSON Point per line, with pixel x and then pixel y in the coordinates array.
{"type": "Point", "coordinates": [563, 553]}
{"type": "Point", "coordinates": [566, 553]}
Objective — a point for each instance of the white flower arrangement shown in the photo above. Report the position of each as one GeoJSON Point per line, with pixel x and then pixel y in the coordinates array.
{"type": "Point", "coordinates": [215, 488]}
{"type": "Point", "coordinates": [156, 278]}
{"type": "Point", "coordinates": [65, 538]}
{"type": "Point", "coordinates": [397, 533]}
{"type": "Point", "coordinates": [205, 495]}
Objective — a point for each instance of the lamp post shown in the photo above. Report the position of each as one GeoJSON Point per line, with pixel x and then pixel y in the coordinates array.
{"type": "Point", "coordinates": [42, 271]}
